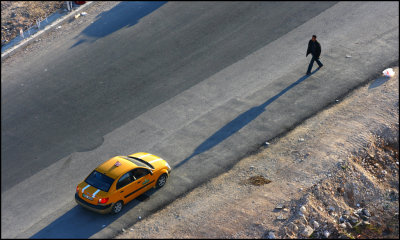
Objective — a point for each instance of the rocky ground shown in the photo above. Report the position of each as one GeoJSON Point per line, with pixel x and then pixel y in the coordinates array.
{"type": "Point", "coordinates": [334, 176]}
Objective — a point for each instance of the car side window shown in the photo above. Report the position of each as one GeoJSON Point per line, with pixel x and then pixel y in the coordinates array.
{"type": "Point", "coordinates": [140, 172]}
{"type": "Point", "coordinates": [124, 180]}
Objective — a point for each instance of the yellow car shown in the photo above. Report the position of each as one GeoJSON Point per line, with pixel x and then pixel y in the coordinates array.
{"type": "Point", "coordinates": [120, 180]}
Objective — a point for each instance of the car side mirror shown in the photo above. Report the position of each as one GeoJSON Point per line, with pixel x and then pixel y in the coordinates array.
{"type": "Point", "coordinates": [151, 172]}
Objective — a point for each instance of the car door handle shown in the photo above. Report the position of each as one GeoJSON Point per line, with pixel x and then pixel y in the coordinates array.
{"type": "Point", "coordinates": [139, 182]}
{"type": "Point", "coordinates": [121, 191]}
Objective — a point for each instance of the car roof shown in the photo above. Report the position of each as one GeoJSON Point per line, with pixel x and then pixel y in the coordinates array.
{"type": "Point", "coordinates": [110, 168]}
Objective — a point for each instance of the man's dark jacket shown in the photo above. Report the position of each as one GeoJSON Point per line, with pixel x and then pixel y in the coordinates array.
{"type": "Point", "coordinates": [314, 48]}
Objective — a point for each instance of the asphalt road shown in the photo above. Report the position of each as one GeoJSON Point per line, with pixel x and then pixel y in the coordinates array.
{"type": "Point", "coordinates": [200, 84]}
{"type": "Point", "coordinates": [122, 74]}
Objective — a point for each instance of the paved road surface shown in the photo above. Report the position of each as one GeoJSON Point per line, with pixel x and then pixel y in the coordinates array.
{"type": "Point", "coordinates": [199, 84]}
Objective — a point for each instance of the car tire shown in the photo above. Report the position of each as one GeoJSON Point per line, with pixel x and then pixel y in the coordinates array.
{"type": "Point", "coordinates": [117, 207]}
{"type": "Point", "coordinates": [161, 180]}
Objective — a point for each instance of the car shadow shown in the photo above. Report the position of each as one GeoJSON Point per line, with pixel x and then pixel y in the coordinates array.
{"type": "Point", "coordinates": [238, 123]}
{"type": "Point", "coordinates": [125, 14]}
{"type": "Point", "coordinates": [80, 222]}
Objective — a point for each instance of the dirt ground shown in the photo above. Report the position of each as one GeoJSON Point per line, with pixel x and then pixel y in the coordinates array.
{"type": "Point", "coordinates": [334, 176]}
{"type": "Point", "coordinates": [16, 15]}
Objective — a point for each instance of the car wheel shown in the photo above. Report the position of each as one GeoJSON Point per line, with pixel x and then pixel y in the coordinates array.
{"type": "Point", "coordinates": [161, 181]}
{"type": "Point", "coordinates": [117, 207]}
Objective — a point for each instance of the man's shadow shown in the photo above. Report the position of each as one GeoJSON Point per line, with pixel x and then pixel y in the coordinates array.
{"type": "Point", "coordinates": [238, 123]}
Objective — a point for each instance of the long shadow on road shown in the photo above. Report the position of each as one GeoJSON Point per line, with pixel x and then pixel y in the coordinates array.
{"type": "Point", "coordinates": [82, 223]}
{"type": "Point", "coordinates": [238, 123]}
{"type": "Point", "coordinates": [125, 14]}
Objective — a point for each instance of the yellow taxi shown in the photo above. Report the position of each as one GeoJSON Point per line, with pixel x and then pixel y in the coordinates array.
{"type": "Point", "coordinates": [121, 179]}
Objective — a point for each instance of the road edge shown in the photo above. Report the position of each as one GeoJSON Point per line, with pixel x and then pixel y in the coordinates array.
{"type": "Point", "coordinates": [125, 233]}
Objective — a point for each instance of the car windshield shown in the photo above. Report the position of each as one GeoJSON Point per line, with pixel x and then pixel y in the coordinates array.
{"type": "Point", "coordinates": [99, 180]}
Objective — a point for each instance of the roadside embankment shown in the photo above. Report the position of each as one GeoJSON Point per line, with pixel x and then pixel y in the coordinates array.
{"type": "Point", "coordinates": [334, 175]}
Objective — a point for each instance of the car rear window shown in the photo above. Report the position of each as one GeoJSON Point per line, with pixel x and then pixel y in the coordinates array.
{"type": "Point", "coordinates": [139, 162]}
{"type": "Point", "coordinates": [99, 180]}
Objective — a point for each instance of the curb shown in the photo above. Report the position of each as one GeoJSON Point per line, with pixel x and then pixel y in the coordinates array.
{"type": "Point", "coordinates": [26, 41]}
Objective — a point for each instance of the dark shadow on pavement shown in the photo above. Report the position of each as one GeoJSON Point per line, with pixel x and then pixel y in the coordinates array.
{"type": "Point", "coordinates": [238, 123]}
{"type": "Point", "coordinates": [378, 82]}
{"type": "Point", "coordinates": [83, 223]}
{"type": "Point", "coordinates": [125, 14]}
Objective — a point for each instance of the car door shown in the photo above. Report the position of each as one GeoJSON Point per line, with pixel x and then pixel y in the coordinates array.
{"type": "Point", "coordinates": [125, 186]}
{"type": "Point", "coordinates": [143, 181]}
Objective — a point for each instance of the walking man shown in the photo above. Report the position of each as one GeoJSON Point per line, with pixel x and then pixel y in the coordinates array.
{"type": "Point", "coordinates": [315, 49]}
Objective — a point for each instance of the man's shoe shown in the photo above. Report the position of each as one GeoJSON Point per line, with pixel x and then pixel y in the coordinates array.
{"type": "Point", "coordinates": [320, 66]}
{"type": "Point", "coordinates": [308, 73]}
